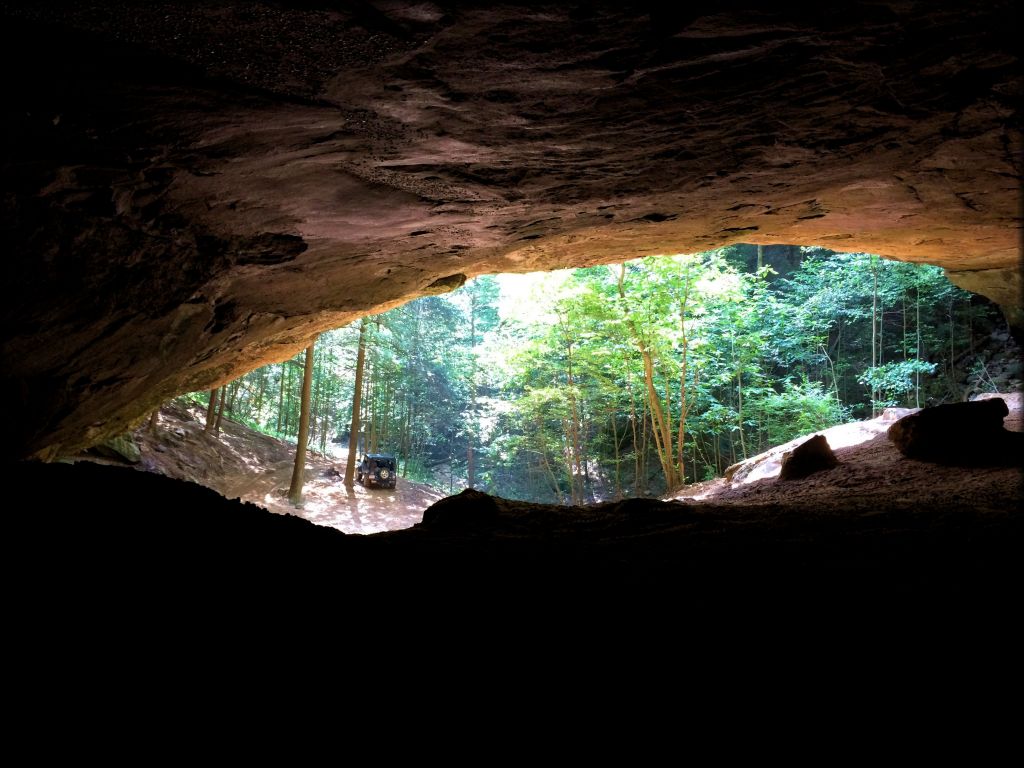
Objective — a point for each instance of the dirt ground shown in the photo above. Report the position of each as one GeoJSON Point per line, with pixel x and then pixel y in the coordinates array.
{"type": "Point", "coordinates": [877, 541]}
{"type": "Point", "coordinates": [244, 464]}
{"type": "Point", "coordinates": [871, 472]}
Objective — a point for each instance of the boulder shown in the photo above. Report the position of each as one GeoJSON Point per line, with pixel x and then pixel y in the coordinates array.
{"type": "Point", "coordinates": [810, 456]}
{"type": "Point", "coordinates": [966, 434]}
{"type": "Point", "coordinates": [121, 448]}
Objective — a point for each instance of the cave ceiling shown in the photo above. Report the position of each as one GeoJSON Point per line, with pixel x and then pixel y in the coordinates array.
{"type": "Point", "coordinates": [193, 189]}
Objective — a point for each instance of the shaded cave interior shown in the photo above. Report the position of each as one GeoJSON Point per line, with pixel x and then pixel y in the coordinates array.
{"type": "Point", "coordinates": [192, 192]}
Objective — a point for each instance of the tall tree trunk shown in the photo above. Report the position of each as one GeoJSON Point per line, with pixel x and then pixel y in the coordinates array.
{"type": "Point", "coordinates": [324, 425]}
{"type": "Point", "coordinates": [644, 448]}
{"type": "Point", "coordinates": [874, 333]}
{"type": "Point", "coordinates": [618, 461]}
{"type": "Point", "coordinates": [259, 394]}
{"type": "Point", "coordinates": [295, 489]}
{"type": "Point", "coordinates": [211, 412]}
{"type": "Point", "coordinates": [471, 436]}
{"type": "Point", "coordinates": [660, 426]}
{"type": "Point", "coordinates": [542, 451]}
{"type": "Point", "coordinates": [917, 324]}
{"type": "Point", "coordinates": [233, 394]}
{"type": "Point", "coordinates": [220, 411]}
{"type": "Point", "coordinates": [739, 410]}
{"type": "Point", "coordinates": [280, 398]}
{"type": "Point", "coordinates": [575, 458]}
{"type": "Point", "coordinates": [636, 439]}
{"type": "Point", "coordinates": [952, 350]}
{"type": "Point", "coordinates": [407, 437]}
{"type": "Point", "coordinates": [684, 341]}
{"type": "Point", "coordinates": [357, 391]}
{"type": "Point", "coordinates": [314, 409]}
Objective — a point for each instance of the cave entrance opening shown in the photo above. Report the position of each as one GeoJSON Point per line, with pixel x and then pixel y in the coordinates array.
{"type": "Point", "coordinates": [633, 379]}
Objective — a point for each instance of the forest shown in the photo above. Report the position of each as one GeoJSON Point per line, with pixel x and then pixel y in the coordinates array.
{"type": "Point", "coordinates": [630, 379]}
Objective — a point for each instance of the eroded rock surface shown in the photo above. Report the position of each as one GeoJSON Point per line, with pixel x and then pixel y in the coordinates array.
{"type": "Point", "coordinates": [813, 455]}
{"type": "Point", "coordinates": [970, 434]}
{"type": "Point", "coordinates": [192, 190]}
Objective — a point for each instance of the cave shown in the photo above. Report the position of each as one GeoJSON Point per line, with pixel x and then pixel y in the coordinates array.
{"type": "Point", "coordinates": [191, 190]}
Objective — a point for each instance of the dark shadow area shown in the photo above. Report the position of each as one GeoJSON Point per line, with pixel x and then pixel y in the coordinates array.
{"type": "Point", "coordinates": [171, 554]}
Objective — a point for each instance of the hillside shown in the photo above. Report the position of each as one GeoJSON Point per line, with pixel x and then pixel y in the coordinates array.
{"type": "Point", "coordinates": [248, 465]}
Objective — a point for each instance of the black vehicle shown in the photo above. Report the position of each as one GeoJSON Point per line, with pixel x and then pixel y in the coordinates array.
{"type": "Point", "coordinates": [377, 469]}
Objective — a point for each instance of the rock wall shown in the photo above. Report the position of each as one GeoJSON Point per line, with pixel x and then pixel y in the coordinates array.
{"type": "Point", "coordinates": [192, 190]}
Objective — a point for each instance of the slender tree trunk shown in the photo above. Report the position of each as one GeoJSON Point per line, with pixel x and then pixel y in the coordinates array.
{"type": "Point", "coordinates": [314, 409]}
{"type": "Point", "coordinates": [739, 404]}
{"type": "Point", "coordinates": [357, 390]}
{"type": "Point", "coordinates": [874, 333]}
{"type": "Point", "coordinates": [211, 412]}
{"type": "Point", "coordinates": [367, 423]}
{"type": "Point", "coordinates": [575, 459]}
{"type": "Point", "coordinates": [881, 332]}
{"type": "Point", "coordinates": [407, 437]}
{"type": "Point", "coordinates": [952, 352]}
{"type": "Point", "coordinates": [739, 410]}
{"type": "Point", "coordinates": [220, 411]}
{"type": "Point", "coordinates": [618, 461]}
{"type": "Point", "coordinates": [645, 442]}
{"type": "Point", "coordinates": [280, 398]}
{"type": "Point", "coordinates": [683, 410]}
{"type": "Point", "coordinates": [471, 436]}
{"type": "Point", "coordinates": [259, 395]}
{"type": "Point", "coordinates": [324, 425]}
{"type": "Point", "coordinates": [233, 394]}
{"type": "Point", "coordinates": [295, 490]}
{"type": "Point", "coordinates": [659, 424]}
{"type": "Point", "coordinates": [542, 452]}
{"type": "Point", "coordinates": [903, 312]}
{"type": "Point", "coordinates": [917, 324]}
{"type": "Point", "coordinates": [633, 426]}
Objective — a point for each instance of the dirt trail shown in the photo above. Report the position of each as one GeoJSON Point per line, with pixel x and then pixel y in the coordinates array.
{"type": "Point", "coordinates": [241, 463]}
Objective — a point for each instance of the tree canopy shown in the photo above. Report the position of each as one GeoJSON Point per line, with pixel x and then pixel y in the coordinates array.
{"type": "Point", "coordinates": [630, 379]}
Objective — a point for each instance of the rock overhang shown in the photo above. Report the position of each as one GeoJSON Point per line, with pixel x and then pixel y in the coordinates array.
{"type": "Point", "coordinates": [191, 190]}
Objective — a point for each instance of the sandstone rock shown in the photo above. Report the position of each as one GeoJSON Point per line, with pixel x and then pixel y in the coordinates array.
{"type": "Point", "coordinates": [181, 207]}
{"type": "Point", "coordinates": [122, 448]}
{"type": "Point", "coordinates": [970, 434]}
{"type": "Point", "coordinates": [895, 414]}
{"type": "Point", "coordinates": [814, 455]}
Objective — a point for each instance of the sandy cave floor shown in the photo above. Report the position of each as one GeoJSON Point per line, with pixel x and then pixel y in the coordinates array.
{"type": "Point", "coordinates": [871, 475]}
{"type": "Point", "coordinates": [244, 464]}
{"type": "Point", "coordinates": [879, 536]}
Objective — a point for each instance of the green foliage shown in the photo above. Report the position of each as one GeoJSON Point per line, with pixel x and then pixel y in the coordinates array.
{"type": "Point", "coordinates": [799, 409]}
{"type": "Point", "coordinates": [893, 380]}
{"type": "Point", "coordinates": [553, 403]}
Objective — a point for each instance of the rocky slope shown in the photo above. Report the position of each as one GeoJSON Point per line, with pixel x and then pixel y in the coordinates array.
{"type": "Point", "coordinates": [240, 463]}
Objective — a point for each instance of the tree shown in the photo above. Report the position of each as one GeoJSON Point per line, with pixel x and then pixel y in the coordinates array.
{"type": "Point", "coordinates": [295, 489]}
{"type": "Point", "coordinates": [630, 380]}
{"type": "Point", "coordinates": [211, 411]}
{"type": "Point", "coordinates": [357, 391]}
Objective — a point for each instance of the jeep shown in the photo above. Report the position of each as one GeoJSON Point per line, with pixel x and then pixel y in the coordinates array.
{"type": "Point", "coordinates": [377, 469]}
